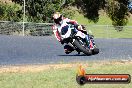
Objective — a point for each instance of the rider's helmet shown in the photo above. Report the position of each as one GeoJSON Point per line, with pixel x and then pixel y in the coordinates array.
{"type": "Point", "coordinates": [57, 17]}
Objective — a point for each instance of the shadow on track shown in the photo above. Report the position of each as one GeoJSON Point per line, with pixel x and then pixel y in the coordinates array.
{"type": "Point", "coordinates": [73, 55]}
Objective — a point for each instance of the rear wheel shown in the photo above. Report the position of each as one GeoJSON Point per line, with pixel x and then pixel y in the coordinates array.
{"type": "Point", "coordinates": [82, 48]}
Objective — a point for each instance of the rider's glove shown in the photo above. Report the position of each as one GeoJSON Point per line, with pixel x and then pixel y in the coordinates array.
{"type": "Point", "coordinates": [80, 27]}
{"type": "Point", "coordinates": [62, 42]}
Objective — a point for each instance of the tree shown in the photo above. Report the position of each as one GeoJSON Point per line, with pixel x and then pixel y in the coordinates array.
{"type": "Point", "coordinates": [91, 8]}
{"type": "Point", "coordinates": [116, 9]}
{"type": "Point", "coordinates": [118, 12]}
{"type": "Point", "coordinates": [10, 12]}
{"type": "Point", "coordinates": [41, 10]}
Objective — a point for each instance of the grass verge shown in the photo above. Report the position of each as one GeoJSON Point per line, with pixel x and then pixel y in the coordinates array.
{"type": "Point", "coordinates": [109, 32]}
{"type": "Point", "coordinates": [101, 28]}
{"type": "Point", "coordinates": [103, 18]}
{"type": "Point", "coordinates": [61, 75]}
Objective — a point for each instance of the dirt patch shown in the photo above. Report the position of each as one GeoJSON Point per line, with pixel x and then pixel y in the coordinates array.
{"type": "Point", "coordinates": [113, 62]}
{"type": "Point", "coordinates": [38, 68]}
{"type": "Point", "coordinates": [32, 68]}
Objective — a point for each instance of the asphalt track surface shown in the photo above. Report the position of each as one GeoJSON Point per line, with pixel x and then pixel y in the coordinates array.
{"type": "Point", "coordinates": [19, 50]}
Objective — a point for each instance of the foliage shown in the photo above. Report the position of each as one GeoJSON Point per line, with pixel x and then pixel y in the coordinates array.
{"type": "Point", "coordinates": [118, 12]}
{"type": "Point", "coordinates": [90, 8]}
{"type": "Point", "coordinates": [116, 9]}
{"type": "Point", "coordinates": [42, 10]}
{"type": "Point", "coordinates": [10, 12]}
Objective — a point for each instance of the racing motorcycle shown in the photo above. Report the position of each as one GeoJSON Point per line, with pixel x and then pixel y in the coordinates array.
{"type": "Point", "coordinates": [76, 40]}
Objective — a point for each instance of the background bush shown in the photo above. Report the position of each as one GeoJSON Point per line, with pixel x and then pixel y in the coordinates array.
{"type": "Point", "coordinates": [42, 10]}
{"type": "Point", "coordinates": [10, 12]}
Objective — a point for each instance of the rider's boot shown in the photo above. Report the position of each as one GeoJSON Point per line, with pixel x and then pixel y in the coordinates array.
{"type": "Point", "coordinates": [68, 49]}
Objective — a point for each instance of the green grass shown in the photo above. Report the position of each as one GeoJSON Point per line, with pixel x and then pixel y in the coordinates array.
{"type": "Point", "coordinates": [109, 32]}
{"type": "Point", "coordinates": [103, 31]}
{"type": "Point", "coordinates": [64, 77]}
{"type": "Point", "coordinates": [103, 19]}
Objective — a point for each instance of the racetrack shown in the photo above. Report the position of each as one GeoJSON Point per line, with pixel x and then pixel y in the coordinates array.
{"type": "Point", "coordinates": [19, 50]}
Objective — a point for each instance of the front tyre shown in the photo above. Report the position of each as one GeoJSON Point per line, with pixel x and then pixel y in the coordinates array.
{"type": "Point", "coordinates": [95, 51]}
{"type": "Point", "coordinates": [82, 48]}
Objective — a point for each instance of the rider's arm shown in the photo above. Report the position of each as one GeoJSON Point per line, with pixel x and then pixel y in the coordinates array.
{"type": "Point", "coordinates": [79, 27]}
{"type": "Point", "coordinates": [56, 33]}
{"type": "Point", "coordinates": [71, 21]}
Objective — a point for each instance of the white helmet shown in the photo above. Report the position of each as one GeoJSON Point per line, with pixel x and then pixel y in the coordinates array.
{"type": "Point", "coordinates": [57, 17]}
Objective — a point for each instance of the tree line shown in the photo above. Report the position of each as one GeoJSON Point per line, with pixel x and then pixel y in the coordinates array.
{"type": "Point", "coordinates": [42, 10]}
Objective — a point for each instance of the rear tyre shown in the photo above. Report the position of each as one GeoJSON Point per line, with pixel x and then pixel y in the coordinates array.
{"type": "Point", "coordinates": [81, 48]}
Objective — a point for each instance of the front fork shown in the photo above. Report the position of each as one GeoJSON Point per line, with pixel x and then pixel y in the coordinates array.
{"type": "Point", "coordinates": [89, 41]}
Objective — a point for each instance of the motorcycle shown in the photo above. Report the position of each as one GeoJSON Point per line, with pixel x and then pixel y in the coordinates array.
{"type": "Point", "coordinates": [76, 40]}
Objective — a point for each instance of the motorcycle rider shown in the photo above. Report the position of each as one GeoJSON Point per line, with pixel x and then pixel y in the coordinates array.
{"type": "Point", "coordinates": [59, 23]}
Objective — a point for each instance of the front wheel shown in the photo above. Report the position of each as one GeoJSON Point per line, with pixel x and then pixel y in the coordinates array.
{"type": "Point", "coordinates": [82, 48]}
{"type": "Point", "coordinates": [95, 51]}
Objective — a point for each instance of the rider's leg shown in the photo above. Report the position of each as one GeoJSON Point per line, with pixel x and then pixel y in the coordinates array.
{"type": "Point", "coordinates": [91, 38]}
{"type": "Point", "coordinates": [87, 41]}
